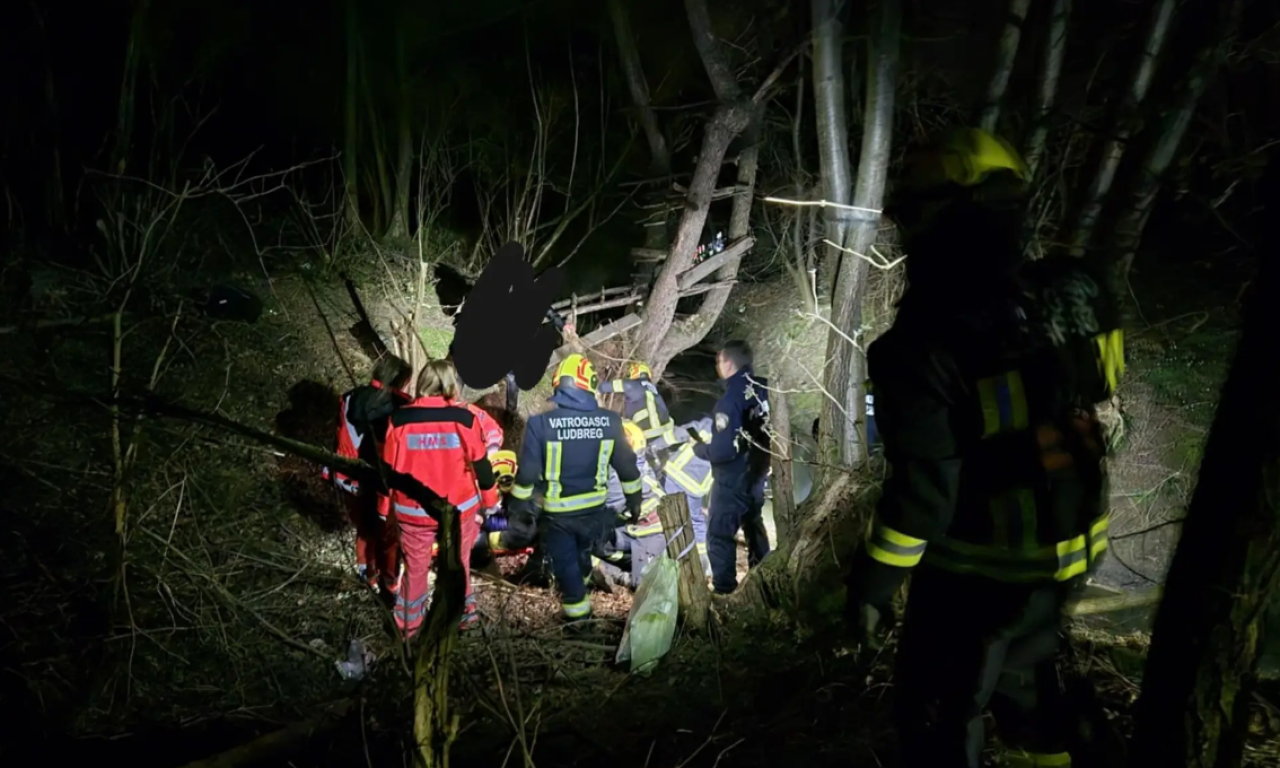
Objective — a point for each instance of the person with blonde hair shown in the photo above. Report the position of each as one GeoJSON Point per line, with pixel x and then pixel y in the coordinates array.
{"type": "Point", "coordinates": [439, 443]}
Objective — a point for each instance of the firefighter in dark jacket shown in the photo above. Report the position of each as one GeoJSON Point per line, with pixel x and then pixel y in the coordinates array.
{"type": "Point", "coordinates": [644, 405]}
{"type": "Point", "coordinates": [362, 424]}
{"type": "Point", "coordinates": [739, 456]}
{"type": "Point", "coordinates": [996, 501]}
{"type": "Point", "coordinates": [564, 460]}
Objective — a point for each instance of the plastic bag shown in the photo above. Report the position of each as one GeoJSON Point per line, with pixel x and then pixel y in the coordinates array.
{"type": "Point", "coordinates": [652, 622]}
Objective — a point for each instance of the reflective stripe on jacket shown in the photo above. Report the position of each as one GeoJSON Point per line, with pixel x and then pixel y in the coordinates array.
{"type": "Point", "coordinates": [685, 469]}
{"type": "Point", "coordinates": [643, 404]}
{"type": "Point", "coordinates": [489, 428]}
{"type": "Point", "coordinates": [362, 423]}
{"type": "Point", "coordinates": [567, 452]}
{"type": "Point", "coordinates": [652, 493]}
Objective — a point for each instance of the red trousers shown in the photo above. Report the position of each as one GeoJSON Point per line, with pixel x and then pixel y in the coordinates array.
{"type": "Point", "coordinates": [375, 550]}
{"type": "Point", "coordinates": [415, 551]}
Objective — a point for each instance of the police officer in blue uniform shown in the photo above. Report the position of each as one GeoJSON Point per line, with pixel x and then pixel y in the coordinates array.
{"type": "Point", "coordinates": [739, 456]}
{"type": "Point", "coordinates": [565, 457]}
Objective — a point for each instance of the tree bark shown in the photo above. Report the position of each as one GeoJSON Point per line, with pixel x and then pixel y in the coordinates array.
{"type": "Point", "coordinates": [694, 597]}
{"type": "Point", "coordinates": [1055, 49]}
{"type": "Point", "coordinates": [435, 727]}
{"type": "Point", "coordinates": [781, 481]}
{"type": "Point", "coordinates": [655, 233]}
{"type": "Point", "coordinates": [833, 131]}
{"type": "Point", "coordinates": [126, 106]}
{"type": "Point", "coordinates": [350, 138]}
{"type": "Point", "coordinates": [399, 227]}
{"type": "Point", "coordinates": [989, 110]}
{"type": "Point", "coordinates": [1145, 184]}
{"type": "Point", "coordinates": [1125, 121]}
{"type": "Point", "coordinates": [843, 380]}
{"type": "Point", "coordinates": [1202, 667]}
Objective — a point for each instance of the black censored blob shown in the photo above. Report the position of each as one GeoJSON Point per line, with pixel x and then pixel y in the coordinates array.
{"type": "Point", "coordinates": [507, 303]}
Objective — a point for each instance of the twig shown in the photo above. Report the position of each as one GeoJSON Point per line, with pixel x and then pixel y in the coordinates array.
{"type": "Point", "coordinates": [886, 265]}
{"type": "Point", "coordinates": [822, 204]}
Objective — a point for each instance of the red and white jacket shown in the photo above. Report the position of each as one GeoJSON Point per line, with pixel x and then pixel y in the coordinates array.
{"type": "Point", "coordinates": [362, 419]}
{"type": "Point", "coordinates": [440, 444]}
{"type": "Point", "coordinates": [489, 429]}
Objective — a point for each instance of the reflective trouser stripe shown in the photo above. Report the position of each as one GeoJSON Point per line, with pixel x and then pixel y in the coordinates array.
{"type": "Point", "coordinates": [577, 610]}
{"type": "Point", "coordinates": [410, 610]}
{"type": "Point", "coordinates": [415, 511]}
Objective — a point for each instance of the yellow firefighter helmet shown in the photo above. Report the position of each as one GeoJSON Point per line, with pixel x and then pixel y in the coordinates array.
{"type": "Point", "coordinates": [635, 435]}
{"type": "Point", "coordinates": [580, 373]}
{"type": "Point", "coordinates": [504, 469]}
{"type": "Point", "coordinates": [636, 370]}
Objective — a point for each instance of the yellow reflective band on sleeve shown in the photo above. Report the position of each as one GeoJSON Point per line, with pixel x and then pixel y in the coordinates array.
{"type": "Point", "coordinates": [495, 541]}
{"type": "Point", "coordinates": [1004, 403]}
{"type": "Point", "coordinates": [885, 545]}
{"type": "Point", "coordinates": [521, 492]}
{"type": "Point", "coordinates": [602, 464]}
{"type": "Point", "coordinates": [632, 486]}
{"type": "Point", "coordinates": [1062, 561]}
{"type": "Point", "coordinates": [1110, 357]}
{"type": "Point", "coordinates": [616, 385]}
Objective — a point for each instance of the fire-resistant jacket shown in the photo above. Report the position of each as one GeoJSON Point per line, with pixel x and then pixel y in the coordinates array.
{"type": "Point", "coordinates": [362, 421]}
{"type": "Point", "coordinates": [567, 452]}
{"type": "Point", "coordinates": [489, 428]}
{"type": "Point", "coordinates": [644, 405]}
{"type": "Point", "coordinates": [652, 493]}
{"type": "Point", "coordinates": [438, 443]}
{"type": "Point", "coordinates": [685, 469]}
{"type": "Point", "coordinates": [739, 444]}
{"type": "Point", "coordinates": [988, 424]}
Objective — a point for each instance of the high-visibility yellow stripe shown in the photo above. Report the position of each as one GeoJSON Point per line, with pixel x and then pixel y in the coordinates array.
{"type": "Point", "coordinates": [632, 486]}
{"type": "Point", "coordinates": [1110, 357]}
{"type": "Point", "coordinates": [552, 470]}
{"type": "Point", "coordinates": [1062, 561]}
{"type": "Point", "coordinates": [891, 547]}
{"type": "Point", "coordinates": [1004, 403]}
{"type": "Point", "coordinates": [577, 610]}
{"type": "Point", "coordinates": [521, 492]}
{"type": "Point", "coordinates": [602, 463]}
{"type": "Point", "coordinates": [644, 530]}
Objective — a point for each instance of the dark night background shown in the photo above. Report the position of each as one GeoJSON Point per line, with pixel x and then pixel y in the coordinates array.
{"type": "Point", "coordinates": [238, 599]}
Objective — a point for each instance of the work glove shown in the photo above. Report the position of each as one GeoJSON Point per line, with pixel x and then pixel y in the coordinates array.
{"type": "Point", "coordinates": [633, 509]}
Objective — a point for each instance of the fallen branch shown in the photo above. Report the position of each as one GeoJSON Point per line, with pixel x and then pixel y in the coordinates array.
{"type": "Point", "coordinates": [1090, 606]}
{"type": "Point", "coordinates": [276, 743]}
{"type": "Point", "coordinates": [65, 322]}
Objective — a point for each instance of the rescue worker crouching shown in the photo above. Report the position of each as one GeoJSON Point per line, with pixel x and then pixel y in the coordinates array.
{"type": "Point", "coordinates": [502, 534]}
{"type": "Point", "coordinates": [687, 473]}
{"type": "Point", "coordinates": [565, 457]}
{"type": "Point", "coordinates": [645, 406]}
{"type": "Point", "coordinates": [985, 392]}
{"type": "Point", "coordinates": [438, 443]}
{"type": "Point", "coordinates": [739, 455]}
{"type": "Point", "coordinates": [362, 423]}
{"type": "Point", "coordinates": [630, 549]}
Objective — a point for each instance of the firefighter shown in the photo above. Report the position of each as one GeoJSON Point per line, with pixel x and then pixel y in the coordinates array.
{"type": "Point", "coordinates": [362, 422]}
{"type": "Point", "coordinates": [739, 455]}
{"type": "Point", "coordinates": [564, 457]}
{"type": "Point", "coordinates": [633, 545]}
{"type": "Point", "coordinates": [985, 388]}
{"type": "Point", "coordinates": [439, 443]}
{"type": "Point", "coordinates": [686, 473]}
{"type": "Point", "coordinates": [643, 404]}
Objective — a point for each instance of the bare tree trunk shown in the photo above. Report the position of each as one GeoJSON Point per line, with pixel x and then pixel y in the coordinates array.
{"type": "Point", "coordinates": [435, 727]}
{"type": "Point", "coordinates": [731, 118]}
{"type": "Point", "coordinates": [802, 260]}
{"type": "Point", "coordinates": [843, 379]}
{"type": "Point", "coordinates": [656, 233]}
{"type": "Point", "coordinates": [1203, 663]}
{"type": "Point", "coordinates": [1055, 48]}
{"type": "Point", "coordinates": [781, 481]}
{"type": "Point", "coordinates": [989, 110]}
{"type": "Point", "coordinates": [404, 144]}
{"type": "Point", "coordinates": [127, 105]}
{"type": "Point", "coordinates": [1143, 187]}
{"type": "Point", "coordinates": [833, 131]}
{"type": "Point", "coordinates": [1125, 121]}
{"type": "Point", "coordinates": [350, 138]}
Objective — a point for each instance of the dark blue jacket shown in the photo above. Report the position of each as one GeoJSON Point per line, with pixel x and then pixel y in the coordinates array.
{"type": "Point", "coordinates": [566, 454]}
{"type": "Point", "coordinates": [643, 404]}
{"type": "Point", "coordinates": [739, 441]}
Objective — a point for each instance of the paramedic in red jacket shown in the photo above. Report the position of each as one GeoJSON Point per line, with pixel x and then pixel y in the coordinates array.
{"type": "Point", "coordinates": [488, 426]}
{"type": "Point", "coordinates": [362, 422]}
{"type": "Point", "coordinates": [439, 443]}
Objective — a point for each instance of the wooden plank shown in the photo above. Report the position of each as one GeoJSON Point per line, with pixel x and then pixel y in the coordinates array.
{"type": "Point", "coordinates": [599, 335]}
{"type": "Point", "coordinates": [649, 254]}
{"type": "Point", "coordinates": [699, 272]}
{"type": "Point", "coordinates": [593, 296]}
{"type": "Point", "coordinates": [694, 597]}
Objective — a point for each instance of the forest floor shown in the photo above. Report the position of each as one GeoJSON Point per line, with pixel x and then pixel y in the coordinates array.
{"type": "Point", "coordinates": [238, 596]}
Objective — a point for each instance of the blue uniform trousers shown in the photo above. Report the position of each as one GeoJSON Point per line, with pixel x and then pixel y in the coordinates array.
{"type": "Point", "coordinates": [568, 541]}
{"type": "Point", "coordinates": [737, 501]}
